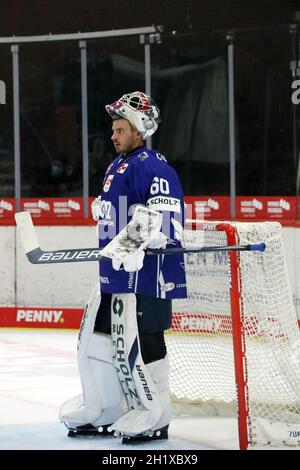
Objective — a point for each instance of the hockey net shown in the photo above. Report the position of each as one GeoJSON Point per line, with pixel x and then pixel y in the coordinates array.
{"type": "Point", "coordinates": [234, 346]}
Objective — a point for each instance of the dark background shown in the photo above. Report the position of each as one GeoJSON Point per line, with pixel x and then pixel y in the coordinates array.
{"type": "Point", "coordinates": [41, 17]}
{"type": "Point", "coordinates": [189, 83]}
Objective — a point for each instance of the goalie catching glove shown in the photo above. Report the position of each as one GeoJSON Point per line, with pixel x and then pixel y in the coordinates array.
{"type": "Point", "coordinates": [143, 231]}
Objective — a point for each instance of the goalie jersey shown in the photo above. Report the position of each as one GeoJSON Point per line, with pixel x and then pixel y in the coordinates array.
{"type": "Point", "coordinates": [143, 177]}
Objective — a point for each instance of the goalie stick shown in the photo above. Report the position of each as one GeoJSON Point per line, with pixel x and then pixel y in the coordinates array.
{"type": "Point", "coordinates": [177, 250]}
{"type": "Point", "coordinates": [134, 236]}
{"type": "Point", "coordinates": [144, 225]}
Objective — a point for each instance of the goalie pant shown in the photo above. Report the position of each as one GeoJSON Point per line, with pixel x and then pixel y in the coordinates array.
{"type": "Point", "coordinates": [143, 177]}
{"type": "Point", "coordinates": [115, 381]}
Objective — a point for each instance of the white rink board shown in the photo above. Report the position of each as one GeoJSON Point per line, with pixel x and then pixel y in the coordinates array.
{"type": "Point", "coordinates": [7, 266]}
{"type": "Point", "coordinates": [66, 285]}
{"type": "Point", "coordinates": [69, 285]}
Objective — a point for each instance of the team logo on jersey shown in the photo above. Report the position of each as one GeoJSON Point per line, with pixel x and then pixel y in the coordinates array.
{"type": "Point", "coordinates": [109, 167]}
{"type": "Point", "coordinates": [122, 168]}
{"type": "Point", "coordinates": [107, 183]}
{"type": "Point", "coordinates": [168, 286]}
{"type": "Point", "coordinates": [142, 156]}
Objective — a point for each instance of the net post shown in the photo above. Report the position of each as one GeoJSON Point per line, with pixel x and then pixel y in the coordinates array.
{"type": "Point", "coordinates": [238, 334]}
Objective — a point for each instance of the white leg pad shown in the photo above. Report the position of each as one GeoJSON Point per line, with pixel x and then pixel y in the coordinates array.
{"type": "Point", "coordinates": [145, 386]}
{"type": "Point", "coordinates": [159, 371]}
{"type": "Point", "coordinates": [139, 421]}
{"type": "Point", "coordinates": [102, 400]}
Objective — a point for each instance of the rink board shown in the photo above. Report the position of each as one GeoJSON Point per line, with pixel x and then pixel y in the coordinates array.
{"type": "Point", "coordinates": [31, 295]}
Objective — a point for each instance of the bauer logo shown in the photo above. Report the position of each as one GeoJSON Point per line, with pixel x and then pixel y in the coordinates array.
{"type": "Point", "coordinates": [144, 383]}
{"type": "Point", "coordinates": [2, 92]}
{"type": "Point", "coordinates": [84, 318]}
{"type": "Point", "coordinates": [40, 316]}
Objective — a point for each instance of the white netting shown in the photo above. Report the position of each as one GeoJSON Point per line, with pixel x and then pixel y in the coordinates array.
{"type": "Point", "coordinates": [200, 343]}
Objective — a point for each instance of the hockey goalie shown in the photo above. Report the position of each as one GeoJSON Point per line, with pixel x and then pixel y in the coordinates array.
{"type": "Point", "coordinates": [122, 357]}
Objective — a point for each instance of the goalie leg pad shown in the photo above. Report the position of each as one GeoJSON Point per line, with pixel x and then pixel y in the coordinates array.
{"type": "Point", "coordinates": [102, 400]}
{"type": "Point", "coordinates": [146, 390]}
{"type": "Point", "coordinates": [143, 425]}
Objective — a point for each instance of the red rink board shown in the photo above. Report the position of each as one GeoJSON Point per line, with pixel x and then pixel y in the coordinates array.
{"type": "Point", "coordinates": [7, 208]}
{"type": "Point", "coordinates": [70, 318]}
{"type": "Point", "coordinates": [258, 208]}
{"type": "Point", "coordinates": [54, 207]}
{"type": "Point", "coordinates": [266, 207]}
{"type": "Point", "coordinates": [69, 211]}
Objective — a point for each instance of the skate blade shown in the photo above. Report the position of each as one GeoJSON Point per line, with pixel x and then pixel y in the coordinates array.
{"type": "Point", "coordinates": [90, 430]}
{"type": "Point", "coordinates": [159, 434]}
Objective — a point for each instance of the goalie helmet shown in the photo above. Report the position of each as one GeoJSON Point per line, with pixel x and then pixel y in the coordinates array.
{"type": "Point", "coordinates": [139, 109]}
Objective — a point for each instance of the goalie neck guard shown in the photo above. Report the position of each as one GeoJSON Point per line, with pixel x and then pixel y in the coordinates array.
{"type": "Point", "coordinates": [139, 109]}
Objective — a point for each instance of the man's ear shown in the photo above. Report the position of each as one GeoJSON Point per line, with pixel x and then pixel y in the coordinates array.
{"type": "Point", "coordinates": [138, 134]}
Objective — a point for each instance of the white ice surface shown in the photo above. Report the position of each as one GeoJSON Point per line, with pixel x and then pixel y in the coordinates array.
{"type": "Point", "coordinates": [38, 372]}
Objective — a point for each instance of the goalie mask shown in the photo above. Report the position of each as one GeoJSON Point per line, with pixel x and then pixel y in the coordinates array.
{"type": "Point", "coordinates": [139, 109]}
